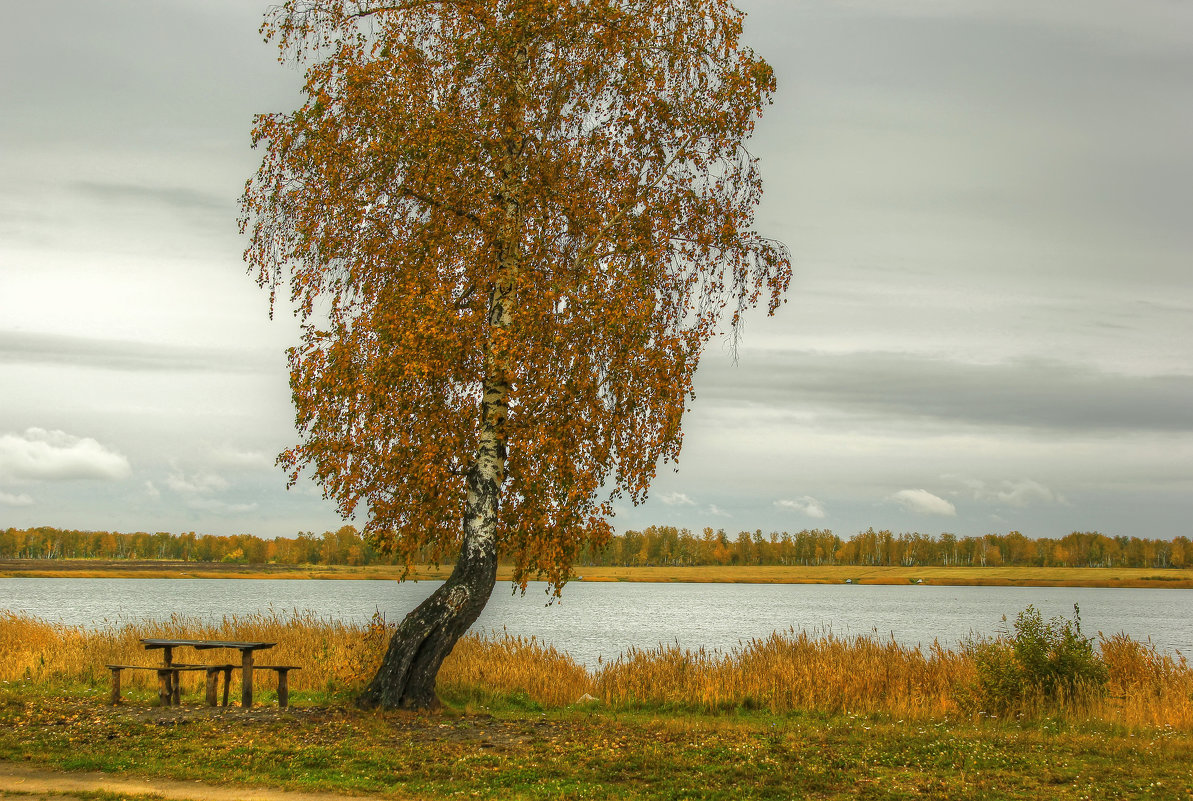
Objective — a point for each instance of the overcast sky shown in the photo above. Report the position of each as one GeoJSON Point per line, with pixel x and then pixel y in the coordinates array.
{"type": "Point", "coordinates": [989, 205]}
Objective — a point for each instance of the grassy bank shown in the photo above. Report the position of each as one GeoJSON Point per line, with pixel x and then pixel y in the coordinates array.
{"type": "Point", "coordinates": [744, 574]}
{"type": "Point", "coordinates": [510, 750]}
{"type": "Point", "coordinates": [787, 717]}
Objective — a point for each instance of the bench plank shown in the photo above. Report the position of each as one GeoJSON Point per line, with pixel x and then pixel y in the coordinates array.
{"type": "Point", "coordinates": [162, 667]}
{"type": "Point", "coordinates": [151, 643]}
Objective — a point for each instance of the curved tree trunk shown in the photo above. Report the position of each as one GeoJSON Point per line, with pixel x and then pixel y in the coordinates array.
{"type": "Point", "coordinates": [406, 678]}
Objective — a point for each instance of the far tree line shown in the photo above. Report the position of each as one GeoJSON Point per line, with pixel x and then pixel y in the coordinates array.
{"type": "Point", "coordinates": [653, 546]}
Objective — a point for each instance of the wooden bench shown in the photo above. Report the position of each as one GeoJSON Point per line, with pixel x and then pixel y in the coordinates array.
{"type": "Point", "coordinates": [283, 683]}
{"type": "Point", "coordinates": [168, 681]}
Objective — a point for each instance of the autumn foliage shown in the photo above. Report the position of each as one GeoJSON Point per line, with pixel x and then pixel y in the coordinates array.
{"type": "Point", "coordinates": [509, 227]}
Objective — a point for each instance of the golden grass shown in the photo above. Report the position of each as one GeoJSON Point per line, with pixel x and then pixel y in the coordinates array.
{"type": "Point", "coordinates": [1169, 578]}
{"type": "Point", "coordinates": [787, 671]}
{"type": "Point", "coordinates": [794, 671]}
{"type": "Point", "coordinates": [1147, 687]}
{"type": "Point", "coordinates": [330, 653]}
{"type": "Point", "coordinates": [837, 574]}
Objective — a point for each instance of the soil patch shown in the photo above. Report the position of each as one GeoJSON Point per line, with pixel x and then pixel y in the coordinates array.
{"type": "Point", "coordinates": [31, 783]}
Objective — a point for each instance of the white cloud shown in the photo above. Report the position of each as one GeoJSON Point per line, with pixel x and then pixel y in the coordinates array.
{"type": "Point", "coordinates": [677, 499]}
{"type": "Point", "coordinates": [924, 502]}
{"type": "Point", "coordinates": [717, 511]}
{"type": "Point", "coordinates": [8, 499]}
{"type": "Point", "coordinates": [196, 483]}
{"type": "Point", "coordinates": [39, 454]}
{"type": "Point", "coordinates": [233, 457]}
{"type": "Point", "coordinates": [805, 505]}
{"type": "Point", "coordinates": [151, 490]}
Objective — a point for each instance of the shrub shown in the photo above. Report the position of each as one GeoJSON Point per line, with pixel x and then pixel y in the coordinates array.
{"type": "Point", "coordinates": [1041, 662]}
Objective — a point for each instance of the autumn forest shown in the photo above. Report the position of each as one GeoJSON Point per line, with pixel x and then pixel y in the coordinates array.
{"type": "Point", "coordinates": [654, 546]}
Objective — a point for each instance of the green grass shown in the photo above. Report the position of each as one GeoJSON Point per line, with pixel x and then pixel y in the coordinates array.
{"type": "Point", "coordinates": [506, 747]}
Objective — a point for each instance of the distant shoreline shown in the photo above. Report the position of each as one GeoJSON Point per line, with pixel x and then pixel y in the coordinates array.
{"type": "Point", "coordinates": [1166, 578]}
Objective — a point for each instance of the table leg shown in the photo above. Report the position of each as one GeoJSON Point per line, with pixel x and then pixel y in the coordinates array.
{"type": "Point", "coordinates": [164, 691]}
{"type": "Point", "coordinates": [283, 688]}
{"type": "Point", "coordinates": [167, 688]}
{"type": "Point", "coordinates": [227, 680]}
{"type": "Point", "coordinates": [246, 678]}
{"type": "Point", "coordinates": [115, 686]}
{"type": "Point", "coordinates": [213, 680]}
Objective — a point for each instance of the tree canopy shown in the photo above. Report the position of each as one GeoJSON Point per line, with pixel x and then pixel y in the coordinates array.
{"type": "Point", "coordinates": [509, 227]}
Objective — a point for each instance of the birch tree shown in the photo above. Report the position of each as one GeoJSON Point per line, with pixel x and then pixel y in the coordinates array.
{"type": "Point", "coordinates": [508, 227]}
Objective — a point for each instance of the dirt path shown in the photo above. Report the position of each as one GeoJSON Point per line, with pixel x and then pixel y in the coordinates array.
{"type": "Point", "coordinates": [20, 782]}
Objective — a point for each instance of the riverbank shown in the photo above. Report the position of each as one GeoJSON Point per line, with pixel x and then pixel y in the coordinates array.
{"type": "Point", "coordinates": [789, 716]}
{"type": "Point", "coordinates": [741, 574]}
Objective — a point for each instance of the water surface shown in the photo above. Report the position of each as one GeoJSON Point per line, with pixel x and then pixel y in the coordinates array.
{"type": "Point", "coordinates": [599, 620]}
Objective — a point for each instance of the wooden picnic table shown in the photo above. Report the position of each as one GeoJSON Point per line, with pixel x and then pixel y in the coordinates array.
{"type": "Point", "coordinates": [246, 667]}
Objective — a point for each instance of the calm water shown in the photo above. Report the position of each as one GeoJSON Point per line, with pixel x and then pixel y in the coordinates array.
{"type": "Point", "coordinates": [601, 620]}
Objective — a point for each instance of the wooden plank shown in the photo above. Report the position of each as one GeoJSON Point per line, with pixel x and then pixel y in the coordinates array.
{"type": "Point", "coordinates": [243, 646]}
{"type": "Point", "coordinates": [151, 643]}
{"type": "Point", "coordinates": [174, 666]}
{"type": "Point", "coordinates": [115, 684]}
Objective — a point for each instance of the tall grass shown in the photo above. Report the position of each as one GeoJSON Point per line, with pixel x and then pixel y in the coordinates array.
{"type": "Point", "coordinates": [331, 653]}
{"type": "Point", "coordinates": [787, 671]}
{"type": "Point", "coordinates": [792, 670]}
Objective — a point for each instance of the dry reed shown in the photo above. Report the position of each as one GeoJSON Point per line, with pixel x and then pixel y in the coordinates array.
{"type": "Point", "coordinates": [793, 670]}
{"type": "Point", "coordinates": [330, 652]}
{"type": "Point", "coordinates": [783, 672]}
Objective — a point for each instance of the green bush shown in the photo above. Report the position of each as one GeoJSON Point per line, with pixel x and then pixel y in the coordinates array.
{"type": "Point", "coordinates": [1040, 662]}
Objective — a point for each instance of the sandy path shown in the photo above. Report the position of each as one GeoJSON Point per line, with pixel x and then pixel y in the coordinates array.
{"type": "Point", "coordinates": [35, 783]}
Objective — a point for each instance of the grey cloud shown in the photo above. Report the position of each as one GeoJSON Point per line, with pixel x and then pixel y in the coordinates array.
{"type": "Point", "coordinates": [1019, 494]}
{"type": "Point", "coordinates": [1026, 393]}
{"type": "Point", "coordinates": [979, 127]}
{"type": "Point", "coordinates": [109, 354]}
{"type": "Point", "coordinates": [21, 499]}
{"type": "Point", "coordinates": [220, 507]}
{"type": "Point", "coordinates": [179, 198]}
